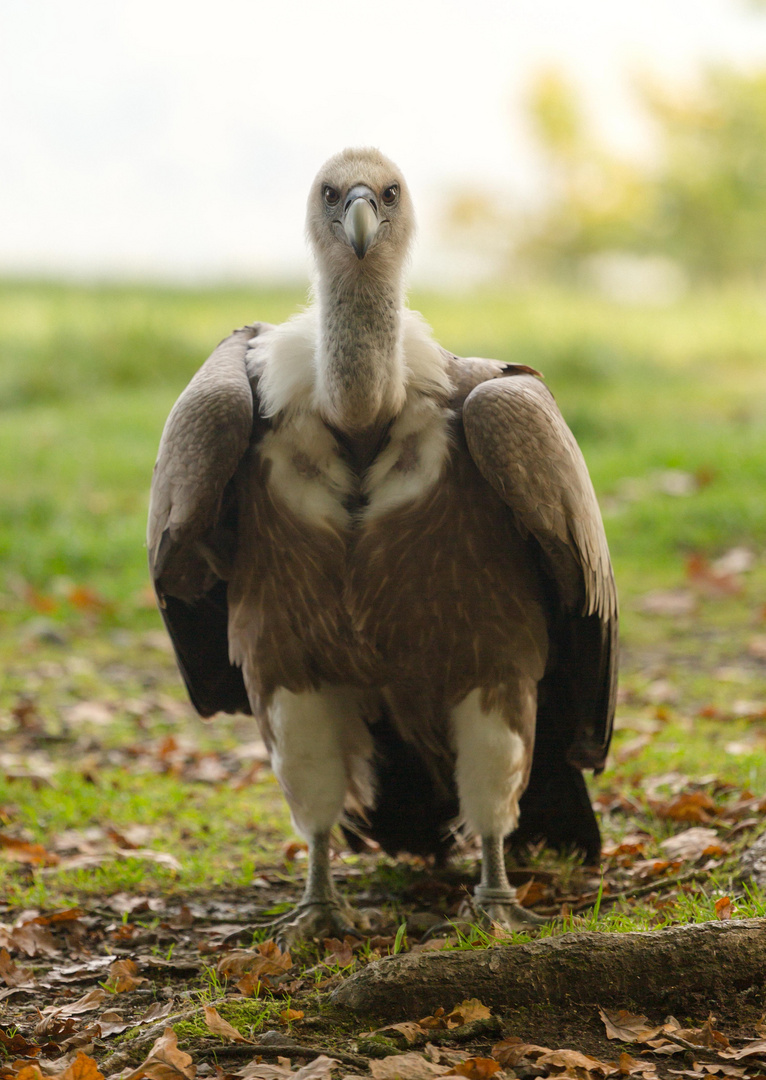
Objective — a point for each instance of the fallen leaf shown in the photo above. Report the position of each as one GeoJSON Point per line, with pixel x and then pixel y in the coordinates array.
{"type": "Point", "coordinates": [340, 952]}
{"type": "Point", "coordinates": [82, 1068]}
{"type": "Point", "coordinates": [123, 977]}
{"type": "Point", "coordinates": [689, 806]}
{"type": "Point", "coordinates": [10, 972]}
{"type": "Point", "coordinates": [318, 1069]}
{"type": "Point", "coordinates": [626, 1026]}
{"type": "Point", "coordinates": [708, 580]}
{"type": "Point", "coordinates": [572, 1060]}
{"type": "Point", "coordinates": [510, 1052]}
{"type": "Point", "coordinates": [23, 852]}
{"type": "Point", "coordinates": [409, 1066]}
{"type": "Point", "coordinates": [288, 1015]}
{"type": "Point", "coordinates": [531, 892]}
{"type": "Point", "coordinates": [724, 909]}
{"type": "Point", "coordinates": [165, 1061]}
{"type": "Point", "coordinates": [436, 1021]}
{"type": "Point", "coordinates": [693, 844]}
{"type": "Point", "coordinates": [219, 1026]}
{"type": "Point", "coordinates": [476, 1068]}
{"type": "Point", "coordinates": [757, 1047]}
{"type": "Point", "coordinates": [408, 1029]}
{"type": "Point", "coordinates": [466, 1012]}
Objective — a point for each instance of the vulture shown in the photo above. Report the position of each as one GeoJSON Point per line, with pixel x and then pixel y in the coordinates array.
{"type": "Point", "coordinates": [392, 557]}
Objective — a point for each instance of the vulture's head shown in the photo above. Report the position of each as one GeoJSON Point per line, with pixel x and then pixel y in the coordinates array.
{"type": "Point", "coordinates": [360, 218]}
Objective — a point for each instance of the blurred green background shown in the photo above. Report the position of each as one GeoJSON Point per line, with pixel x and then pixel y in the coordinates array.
{"type": "Point", "coordinates": [639, 292]}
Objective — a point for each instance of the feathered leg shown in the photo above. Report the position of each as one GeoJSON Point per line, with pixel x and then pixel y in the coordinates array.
{"type": "Point", "coordinates": [320, 750]}
{"type": "Point", "coordinates": [493, 736]}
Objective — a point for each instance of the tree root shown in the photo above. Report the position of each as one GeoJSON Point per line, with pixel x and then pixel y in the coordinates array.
{"type": "Point", "coordinates": [678, 968]}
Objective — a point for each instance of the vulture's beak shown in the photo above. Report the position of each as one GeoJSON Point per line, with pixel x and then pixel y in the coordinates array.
{"type": "Point", "coordinates": [360, 219]}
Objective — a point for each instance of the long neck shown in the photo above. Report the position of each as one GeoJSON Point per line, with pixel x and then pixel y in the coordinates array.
{"type": "Point", "coordinates": [360, 373]}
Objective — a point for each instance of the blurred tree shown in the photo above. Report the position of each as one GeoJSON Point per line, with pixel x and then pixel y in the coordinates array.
{"type": "Point", "coordinates": [598, 203]}
{"type": "Point", "coordinates": [710, 195]}
{"type": "Point", "coordinates": [701, 203]}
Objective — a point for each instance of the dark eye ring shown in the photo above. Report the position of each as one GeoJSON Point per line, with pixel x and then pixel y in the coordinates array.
{"type": "Point", "coordinates": [331, 196]}
{"type": "Point", "coordinates": [391, 194]}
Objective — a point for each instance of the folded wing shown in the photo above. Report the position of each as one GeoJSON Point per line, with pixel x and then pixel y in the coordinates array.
{"type": "Point", "coordinates": [524, 449]}
{"type": "Point", "coordinates": [191, 532]}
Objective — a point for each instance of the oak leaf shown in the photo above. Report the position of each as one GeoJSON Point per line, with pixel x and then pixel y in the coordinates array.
{"type": "Point", "coordinates": [466, 1012]}
{"type": "Point", "coordinates": [82, 1068]}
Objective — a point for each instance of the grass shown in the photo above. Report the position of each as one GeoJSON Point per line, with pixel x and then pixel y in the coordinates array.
{"type": "Point", "coordinates": [87, 378]}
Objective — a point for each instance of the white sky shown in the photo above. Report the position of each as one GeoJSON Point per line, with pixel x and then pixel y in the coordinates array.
{"type": "Point", "coordinates": [178, 139]}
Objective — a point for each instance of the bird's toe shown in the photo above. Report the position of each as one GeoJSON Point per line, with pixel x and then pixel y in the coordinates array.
{"type": "Point", "coordinates": [318, 919]}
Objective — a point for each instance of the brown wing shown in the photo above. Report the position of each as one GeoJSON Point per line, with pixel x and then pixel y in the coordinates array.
{"type": "Point", "coordinates": [524, 449]}
{"type": "Point", "coordinates": [191, 533]}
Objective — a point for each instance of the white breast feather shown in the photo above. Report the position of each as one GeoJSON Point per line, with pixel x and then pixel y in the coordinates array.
{"type": "Point", "coordinates": [306, 470]}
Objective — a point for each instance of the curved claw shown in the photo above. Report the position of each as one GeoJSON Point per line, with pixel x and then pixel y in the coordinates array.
{"type": "Point", "coordinates": [315, 919]}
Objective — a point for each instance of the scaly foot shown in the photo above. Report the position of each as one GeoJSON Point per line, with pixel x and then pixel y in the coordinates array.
{"type": "Point", "coordinates": [501, 907]}
{"type": "Point", "coordinates": [316, 919]}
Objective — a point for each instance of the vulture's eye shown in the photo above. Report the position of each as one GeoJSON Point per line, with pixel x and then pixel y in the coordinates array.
{"type": "Point", "coordinates": [331, 196]}
{"type": "Point", "coordinates": [391, 194]}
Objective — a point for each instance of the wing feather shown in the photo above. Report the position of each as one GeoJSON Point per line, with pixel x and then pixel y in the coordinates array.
{"type": "Point", "coordinates": [191, 532]}
{"type": "Point", "coordinates": [524, 449]}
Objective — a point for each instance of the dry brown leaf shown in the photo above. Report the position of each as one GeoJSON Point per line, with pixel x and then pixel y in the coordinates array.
{"type": "Point", "coordinates": [626, 1026]}
{"type": "Point", "coordinates": [267, 959]}
{"type": "Point", "coordinates": [86, 1003]}
{"type": "Point", "coordinates": [54, 1028]}
{"type": "Point", "coordinates": [21, 851]}
{"type": "Point", "coordinates": [693, 844]}
{"type": "Point", "coordinates": [688, 806]}
{"type": "Point", "coordinates": [724, 909]}
{"type": "Point", "coordinates": [33, 940]}
{"type": "Point", "coordinates": [219, 1026]}
{"type": "Point", "coordinates": [29, 1072]}
{"type": "Point", "coordinates": [710, 579]}
{"type": "Point", "coordinates": [318, 1069]}
{"type": "Point", "coordinates": [411, 1031]}
{"type": "Point", "coordinates": [629, 1066]}
{"type": "Point", "coordinates": [571, 1060]}
{"type": "Point", "coordinates": [17, 1045]}
{"type": "Point", "coordinates": [409, 1066]}
{"type": "Point", "coordinates": [123, 978]}
{"type": "Point", "coordinates": [510, 1052]}
{"type": "Point", "coordinates": [466, 1012]}
{"type": "Point", "coordinates": [288, 1015]}
{"type": "Point", "coordinates": [165, 1061]}
{"type": "Point", "coordinates": [531, 892]}
{"type": "Point", "coordinates": [756, 1047]}
{"type": "Point", "coordinates": [476, 1068]}
{"type": "Point", "coordinates": [82, 1068]}
{"type": "Point", "coordinates": [10, 972]}
{"type": "Point", "coordinates": [435, 1022]}
{"type": "Point", "coordinates": [340, 952]}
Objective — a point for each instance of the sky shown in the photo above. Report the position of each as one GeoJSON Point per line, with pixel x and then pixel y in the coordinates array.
{"type": "Point", "coordinates": [168, 139]}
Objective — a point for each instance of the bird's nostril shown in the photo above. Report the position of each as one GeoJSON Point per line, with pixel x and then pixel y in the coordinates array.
{"type": "Point", "coordinates": [373, 204]}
